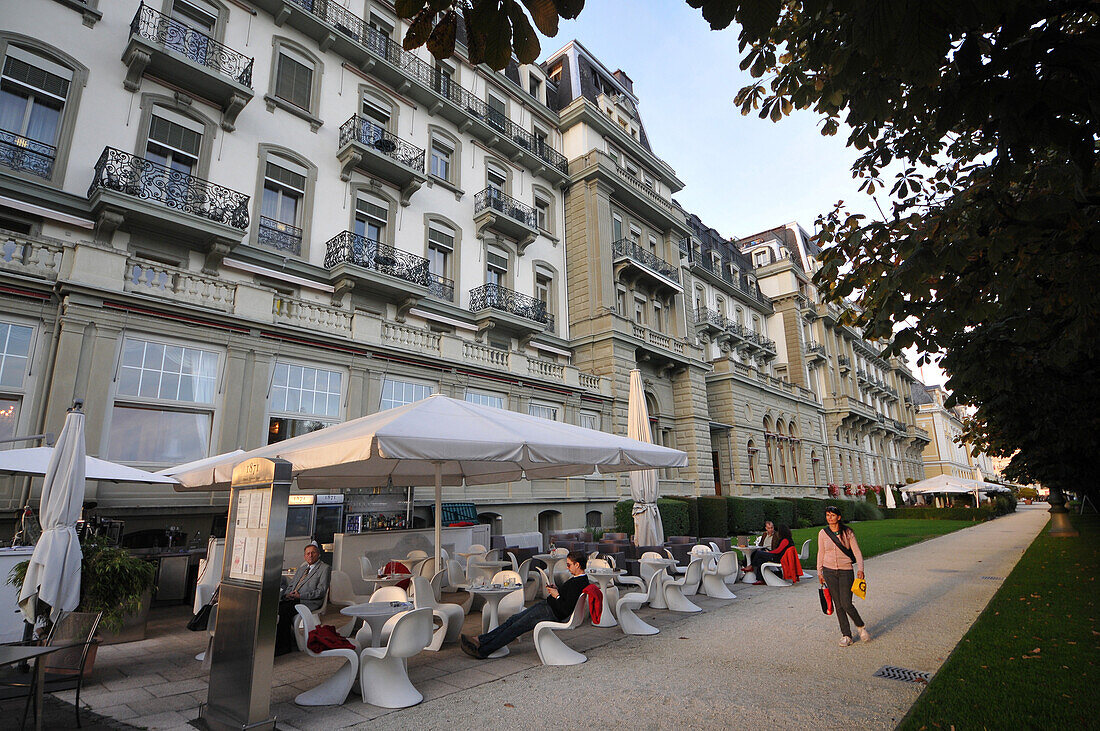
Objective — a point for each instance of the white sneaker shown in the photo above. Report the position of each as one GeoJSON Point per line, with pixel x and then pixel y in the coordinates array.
{"type": "Point", "coordinates": [845, 641]}
{"type": "Point", "coordinates": [864, 635]}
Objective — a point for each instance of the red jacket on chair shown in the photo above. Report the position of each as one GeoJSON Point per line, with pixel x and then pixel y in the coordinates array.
{"type": "Point", "coordinates": [792, 566]}
{"type": "Point", "coordinates": [595, 602]}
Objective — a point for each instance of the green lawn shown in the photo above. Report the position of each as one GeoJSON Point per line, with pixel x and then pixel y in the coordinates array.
{"type": "Point", "coordinates": [880, 536]}
{"type": "Point", "coordinates": [1030, 660]}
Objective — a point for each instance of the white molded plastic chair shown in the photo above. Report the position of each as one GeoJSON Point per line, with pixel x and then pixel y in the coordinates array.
{"type": "Point", "coordinates": [512, 603]}
{"type": "Point", "coordinates": [436, 582]}
{"type": "Point", "coordinates": [383, 675]}
{"type": "Point", "coordinates": [450, 616]}
{"type": "Point", "coordinates": [772, 573]}
{"type": "Point", "coordinates": [299, 632]}
{"type": "Point", "coordinates": [648, 569]}
{"type": "Point", "coordinates": [714, 579]}
{"type": "Point", "coordinates": [628, 603]}
{"type": "Point", "coordinates": [515, 561]}
{"type": "Point", "coordinates": [675, 568]}
{"type": "Point", "coordinates": [456, 575]}
{"type": "Point", "coordinates": [714, 547]}
{"type": "Point", "coordinates": [383, 594]}
{"type": "Point", "coordinates": [551, 650]}
{"type": "Point", "coordinates": [675, 588]}
{"type": "Point", "coordinates": [477, 552]}
{"type": "Point", "coordinates": [342, 595]}
{"type": "Point", "coordinates": [804, 555]}
{"type": "Point", "coordinates": [366, 568]}
{"type": "Point", "coordinates": [333, 691]}
{"type": "Point", "coordinates": [529, 581]}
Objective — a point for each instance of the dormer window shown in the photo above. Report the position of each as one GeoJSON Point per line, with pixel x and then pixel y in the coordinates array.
{"type": "Point", "coordinates": [534, 86]}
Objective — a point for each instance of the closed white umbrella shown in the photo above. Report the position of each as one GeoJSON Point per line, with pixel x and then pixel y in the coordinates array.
{"type": "Point", "coordinates": [442, 441]}
{"type": "Point", "coordinates": [648, 528]}
{"type": "Point", "coordinates": [53, 574]}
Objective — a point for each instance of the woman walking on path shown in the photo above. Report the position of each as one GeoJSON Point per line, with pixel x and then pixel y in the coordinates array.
{"type": "Point", "coordinates": [837, 551]}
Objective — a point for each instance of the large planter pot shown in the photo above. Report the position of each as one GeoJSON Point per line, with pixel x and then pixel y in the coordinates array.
{"type": "Point", "coordinates": [133, 625]}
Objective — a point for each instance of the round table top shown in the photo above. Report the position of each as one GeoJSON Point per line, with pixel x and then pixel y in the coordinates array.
{"type": "Point", "coordinates": [479, 562]}
{"type": "Point", "coordinates": [493, 589]}
{"type": "Point", "coordinates": [747, 548]}
{"type": "Point", "coordinates": [604, 572]}
{"type": "Point", "coordinates": [390, 577]}
{"type": "Point", "coordinates": [376, 609]}
{"type": "Point", "coordinates": [465, 554]}
{"type": "Point", "coordinates": [658, 560]}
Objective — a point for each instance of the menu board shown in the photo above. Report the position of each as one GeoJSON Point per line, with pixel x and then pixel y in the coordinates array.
{"type": "Point", "coordinates": [249, 549]}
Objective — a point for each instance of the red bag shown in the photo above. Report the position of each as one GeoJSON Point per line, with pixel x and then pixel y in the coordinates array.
{"type": "Point", "coordinates": [826, 599]}
{"type": "Point", "coordinates": [325, 637]}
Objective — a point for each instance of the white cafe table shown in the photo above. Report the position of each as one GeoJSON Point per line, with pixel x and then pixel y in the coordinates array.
{"type": "Point", "coordinates": [492, 596]}
{"type": "Point", "coordinates": [606, 579]}
{"type": "Point", "coordinates": [375, 614]}
{"type": "Point", "coordinates": [387, 580]}
{"type": "Point", "coordinates": [748, 551]}
{"type": "Point", "coordinates": [659, 564]}
{"type": "Point", "coordinates": [551, 562]}
{"type": "Point", "coordinates": [485, 569]}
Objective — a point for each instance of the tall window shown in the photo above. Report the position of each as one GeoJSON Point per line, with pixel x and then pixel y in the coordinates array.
{"type": "Point", "coordinates": [543, 411]}
{"type": "Point", "coordinates": [658, 316]}
{"type": "Point", "coordinates": [498, 112]}
{"type": "Point", "coordinates": [589, 420]}
{"type": "Point", "coordinates": [281, 208]}
{"type": "Point", "coordinates": [496, 268]}
{"type": "Point", "coordinates": [542, 213]}
{"type": "Point", "coordinates": [441, 245]}
{"type": "Point", "coordinates": [174, 141]}
{"type": "Point", "coordinates": [485, 399]}
{"type": "Point", "coordinates": [15, 351]}
{"type": "Point", "coordinates": [398, 393]}
{"type": "Point", "coordinates": [635, 235]}
{"type": "Point", "coordinates": [752, 461]}
{"type": "Point", "coordinates": [534, 85]}
{"type": "Point", "coordinates": [371, 214]}
{"type": "Point", "coordinates": [381, 25]}
{"type": "Point", "coordinates": [616, 227]}
{"type": "Point", "coordinates": [302, 399]}
{"type": "Point", "coordinates": [639, 310]}
{"type": "Point", "coordinates": [441, 159]}
{"type": "Point", "coordinates": [189, 16]}
{"type": "Point", "coordinates": [444, 79]}
{"type": "Point", "coordinates": [377, 112]}
{"type": "Point", "coordinates": [294, 79]}
{"type": "Point", "coordinates": [164, 405]}
{"type": "Point", "coordinates": [32, 98]}
{"type": "Point", "coordinates": [496, 179]}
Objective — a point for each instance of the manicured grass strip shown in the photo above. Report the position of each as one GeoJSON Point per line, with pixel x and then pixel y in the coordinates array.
{"type": "Point", "coordinates": [880, 536]}
{"type": "Point", "coordinates": [1030, 660]}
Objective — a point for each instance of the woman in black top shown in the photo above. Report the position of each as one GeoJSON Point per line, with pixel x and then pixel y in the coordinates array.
{"type": "Point", "coordinates": [558, 606]}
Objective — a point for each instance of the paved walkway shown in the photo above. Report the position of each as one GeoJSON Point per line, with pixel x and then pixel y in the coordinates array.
{"type": "Point", "coordinates": [768, 656]}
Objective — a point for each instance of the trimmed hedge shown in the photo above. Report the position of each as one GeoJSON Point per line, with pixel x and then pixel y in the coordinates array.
{"type": "Point", "coordinates": [811, 509]}
{"type": "Point", "coordinates": [674, 516]}
{"type": "Point", "coordinates": [780, 512]}
{"type": "Point", "coordinates": [693, 516]}
{"type": "Point", "coordinates": [713, 516]}
{"type": "Point", "coordinates": [747, 515]}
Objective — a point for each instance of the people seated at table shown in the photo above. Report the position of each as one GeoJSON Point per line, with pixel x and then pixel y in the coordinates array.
{"type": "Point", "coordinates": [557, 607]}
{"type": "Point", "coordinates": [783, 542]}
{"type": "Point", "coordinates": [308, 587]}
{"type": "Point", "coordinates": [769, 539]}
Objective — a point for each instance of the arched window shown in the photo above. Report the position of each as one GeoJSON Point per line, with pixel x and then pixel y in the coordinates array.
{"type": "Point", "coordinates": [593, 519]}
{"type": "Point", "coordinates": [795, 450]}
{"type": "Point", "coordinates": [769, 447]}
{"type": "Point", "coordinates": [781, 450]}
{"type": "Point", "coordinates": [752, 460]}
{"type": "Point", "coordinates": [493, 520]}
{"type": "Point", "coordinates": [548, 521]}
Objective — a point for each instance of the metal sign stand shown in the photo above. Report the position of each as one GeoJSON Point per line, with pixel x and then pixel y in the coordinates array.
{"type": "Point", "coordinates": [243, 649]}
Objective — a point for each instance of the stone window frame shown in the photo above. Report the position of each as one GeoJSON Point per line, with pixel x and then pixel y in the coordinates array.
{"type": "Point", "coordinates": [311, 115]}
{"type": "Point", "coordinates": [454, 182]}
{"type": "Point", "coordinates": [392, 204]}
{"type": "Point", "coordinates": [67, 126]}
{"type": "Point", "coordinates": [545, 268]}
{"type": "Point", "coordinates": [368, 90]}
{"type": "Point", "coordinates": [210, 128]}
{"type": "Point", "coordinates": [456, 251]}
{"type": "Point", "coordinates": [544, 193]}
{"type": "Point", "coordinates": [263, 151]}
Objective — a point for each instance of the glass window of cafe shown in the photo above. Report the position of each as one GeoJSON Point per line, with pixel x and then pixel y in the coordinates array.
{"type": "Point", "coordinates": [302, 399]}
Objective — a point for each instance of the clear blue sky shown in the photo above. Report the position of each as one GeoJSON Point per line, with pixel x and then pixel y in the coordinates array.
{"type": "Point", "coordinates": [742, 174]}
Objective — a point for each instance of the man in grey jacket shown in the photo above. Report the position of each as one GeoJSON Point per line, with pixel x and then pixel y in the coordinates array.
{"type": "Point", "coordinates": [308, 587]}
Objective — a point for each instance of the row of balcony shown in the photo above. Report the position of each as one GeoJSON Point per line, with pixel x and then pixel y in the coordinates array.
{"type": "Point", "coordinates": [722, 329]}
{"type": "Point", "coordinates": [739, 281]}
{"type": "Point", "coordinates": [627, 252]}
{"type": "Point", "coordinates": [336, 28]}
{"type": "Point", "coordinates": [871, 383]}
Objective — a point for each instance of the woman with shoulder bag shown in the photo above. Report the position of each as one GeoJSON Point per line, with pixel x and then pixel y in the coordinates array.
{"type": "Point", "coordinates": [837, 551]}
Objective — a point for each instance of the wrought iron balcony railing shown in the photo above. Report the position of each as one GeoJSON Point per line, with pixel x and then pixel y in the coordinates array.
{"type": "Point", "coordinates": [627, 248]}
{"type": "Point", "coordinates": [26, 155]}
{"type": "Point", "coordinates": [441, 287]}
{"type": "Point", "coordinates": [196, 46]}
{"type": "Point", "coordinates": [351, 25]}
{"type": "Point", "coordinates": [279, 235]}
{"type": "Point", "coordinates": [149, 181]}
{"type": "Point", "coordinates": [496, 297]}
{"type": "Point", "coordinates": [739, 280]}
{"type": "Point", "coordinates": [843, 361]}
{"type": "Point", "coordinates": [815, 347]}
{"type": "Point", "coordinates": [373, 135]}
{"type": "Point", "coordinates": [506, 205]}
{"type": "Point", "coordinates": [350, 248]}
{"type": "Point", "coordinates": [711, 317]}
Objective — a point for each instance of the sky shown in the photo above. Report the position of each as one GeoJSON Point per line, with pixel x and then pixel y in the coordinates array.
{"type": "Point", "coordinates": [741, 174]}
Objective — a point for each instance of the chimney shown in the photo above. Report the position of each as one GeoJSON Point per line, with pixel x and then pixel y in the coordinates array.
{"type": "Point", "coordinates": [623, 79]}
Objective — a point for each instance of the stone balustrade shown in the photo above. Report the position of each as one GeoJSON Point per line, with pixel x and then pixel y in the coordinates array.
{"type": "Point", "coordinates": [160, 280]}
{"type": "Point", "coordinates": [29, 256]}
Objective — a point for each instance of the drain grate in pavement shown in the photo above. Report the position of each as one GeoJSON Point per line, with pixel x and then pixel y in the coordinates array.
{"type": "Point", "coordinates": [891, 672]}
{"type": "Point", "coordinates": [993, 578]}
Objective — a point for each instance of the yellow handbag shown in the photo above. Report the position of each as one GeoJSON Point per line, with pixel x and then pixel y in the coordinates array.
{"type": "Point", "coordinates": [859, 588]}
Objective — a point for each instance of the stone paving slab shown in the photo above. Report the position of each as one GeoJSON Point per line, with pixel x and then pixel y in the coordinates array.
{"type": "Point", "coordinates": [723, 665]}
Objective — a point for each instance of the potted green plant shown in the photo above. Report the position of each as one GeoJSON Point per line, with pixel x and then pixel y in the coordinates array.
{"type": "Point", "coordinates": [111, 581]}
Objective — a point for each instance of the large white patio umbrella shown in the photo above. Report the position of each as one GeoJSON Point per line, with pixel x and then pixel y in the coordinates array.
{"type": "Point", "coordinates": [648, 528]}
{"type": "Point", "coordinates": [36, 461]}
{"type": "Point", "coordinates": [53, 573]}
{"type": "Point", "coordinates": [948, 485]}
{"type": "Point", "coordinates": [443, 441]}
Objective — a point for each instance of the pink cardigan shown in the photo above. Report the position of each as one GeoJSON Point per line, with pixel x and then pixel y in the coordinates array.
{"type": "Point", "coordinates": [829, 556]}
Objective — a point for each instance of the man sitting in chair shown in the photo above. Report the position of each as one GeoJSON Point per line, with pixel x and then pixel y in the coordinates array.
{"type": "Point", "coordinates": [308, 587]}
{"type": "Point", "coordinates": [557, 607]}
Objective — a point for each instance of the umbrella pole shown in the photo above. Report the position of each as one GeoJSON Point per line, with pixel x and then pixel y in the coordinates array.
{"type": "Point", "coordinates": [438, 512]}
